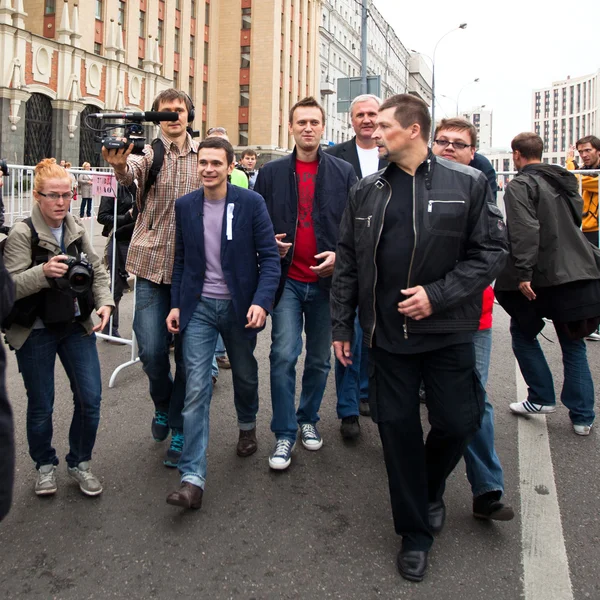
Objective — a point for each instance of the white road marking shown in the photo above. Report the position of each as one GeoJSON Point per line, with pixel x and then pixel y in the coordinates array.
{"type": "Point", "coordinates": [545, 563]}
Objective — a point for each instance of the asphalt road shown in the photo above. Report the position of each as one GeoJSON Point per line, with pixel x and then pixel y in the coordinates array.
{"type": "Point", "coordinates": [321, 529]}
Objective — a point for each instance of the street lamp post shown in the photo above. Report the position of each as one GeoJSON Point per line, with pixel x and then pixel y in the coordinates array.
{"type": "Point", "coordinates": [461, 26]}
{"type": "Point", "coordinates": [476, 80]}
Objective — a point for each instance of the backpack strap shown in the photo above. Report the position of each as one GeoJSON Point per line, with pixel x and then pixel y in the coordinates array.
{"type": "Point", "coordinates": [158, 149]}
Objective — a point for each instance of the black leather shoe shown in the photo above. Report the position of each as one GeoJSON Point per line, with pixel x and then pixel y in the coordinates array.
{"type": "Point", "coordinates": [187, 496]}
{"type": "Point", "coordinates": [488, 507]}
{"type": "Point", "coordinates": [350, 428]}
{"type": "Point", "coordinates": [412, 564]}
{"type": "Point", "coordinates": [247, 443]}
{"type": "Point", "coordinates": [437, 516]}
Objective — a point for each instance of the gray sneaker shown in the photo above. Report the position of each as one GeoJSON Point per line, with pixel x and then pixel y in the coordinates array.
{"type": "Point", "coordinates": [46, 481]}
{"type": "Point", "coordinates": [88, 482]}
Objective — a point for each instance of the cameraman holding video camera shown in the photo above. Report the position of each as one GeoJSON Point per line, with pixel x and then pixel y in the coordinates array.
{"type": "Point", "coordinates": [59, 281]}
{"type": "Point", "coordinates": [151, 256]}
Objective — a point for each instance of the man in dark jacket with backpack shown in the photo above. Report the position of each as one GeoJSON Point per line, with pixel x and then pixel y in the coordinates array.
{"type": "Point", "coordinates": [151, 256]}
{"type": "Point", "coordinates": [553, 272]}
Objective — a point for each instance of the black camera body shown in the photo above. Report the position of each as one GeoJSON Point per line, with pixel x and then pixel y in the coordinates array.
{"type": "Point", "coordinates": [134, 134]}
{"type": "Point", "coordinates": [4, 168]}
{"type": "Point", "coordinates": [80, 274]}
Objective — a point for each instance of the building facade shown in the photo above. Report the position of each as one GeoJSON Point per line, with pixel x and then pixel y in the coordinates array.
{"type": "Point", "coordinates": [340, 57]}
{"type": "Point", "coordinates": [244, 63]}
{"type": "Point", "coordinates": [482, 120]}
{"type": "Point", "coordinates": [566, 112]}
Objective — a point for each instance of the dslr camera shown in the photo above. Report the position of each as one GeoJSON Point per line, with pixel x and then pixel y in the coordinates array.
{"type": "Point", "coordinates": [80, 273]}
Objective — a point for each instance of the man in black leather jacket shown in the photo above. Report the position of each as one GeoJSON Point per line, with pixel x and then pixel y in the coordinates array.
{"type": "Point", "coordinates": [418, 245]}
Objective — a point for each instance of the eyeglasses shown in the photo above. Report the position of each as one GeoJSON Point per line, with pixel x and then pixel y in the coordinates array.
{"type": "Point", "coordinates": [456, 145]}
{"type": "Point", "coordinates": [55, 197]}
{"type": "Point", "coordinates": [221, 130]}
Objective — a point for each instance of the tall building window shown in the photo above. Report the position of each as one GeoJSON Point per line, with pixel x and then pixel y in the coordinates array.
{"type": "Point", "coordinates": [192, 46]}
{"type": "Point", "coordinates": [205, 54]}
{"type": "Point", "coordinates": [243, 134]}
{"type": "Point", "coordinates": [99, 9]}
{"type": "Point", "coordinates": [50, 7]}
{"type": "Point", "coordinates": [245, 59]}
{"type": "Point", "coordinates": [244, 95]}
{"type": "Point", "coordinates": [142, 32]}
{"type": "Point", "coordinates": [193, 8]}
{"type": "Point", "coordinates": [246, 18]}
{"type": "Point", "coordinates": [191, 87]}
{"type": "Point", "coordinates": [121, 13]}
{"type": "Point", "coordinates": [176, 79]}
{"type": "Point", "coordinates": [97, 48]}
{"type": "Point", "coordinates": [176, 41]}
{"type": "Point", "coordinates": [206, 13]}
{"type": "Point", "coordinates": [160, 36]}
{"type": "Point", "coordinates": [177, 4]}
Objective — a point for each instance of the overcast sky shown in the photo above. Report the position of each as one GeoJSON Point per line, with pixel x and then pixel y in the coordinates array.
{"type": "Point", "coordinates": [514, 47]}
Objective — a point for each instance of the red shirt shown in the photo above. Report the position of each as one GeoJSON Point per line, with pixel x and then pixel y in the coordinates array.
{"type": "Point", "coordinates": [305, 243]}
{"type": "Point", "coordinates": [487, 306]}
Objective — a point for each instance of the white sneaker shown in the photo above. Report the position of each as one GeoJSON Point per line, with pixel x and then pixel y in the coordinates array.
{"type": "Point", "coordinates": [281, 457]}
{"type": "Point", "coordinates": [529, 408]}
{"type": "Point", "coordinates": [582, 429]}
{"type": "Point", "coordinates": [89, 484]}
{"type": "Point", "coordinates": [311, 439]}
{"type": "Point", "coordinates": [45, 484]}
{"type": "Point", "coordinates": [593, 337]}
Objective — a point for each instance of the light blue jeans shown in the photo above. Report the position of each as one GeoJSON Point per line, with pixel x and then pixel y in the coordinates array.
{"type": "Point", "coordinates": [199, 338]}
{"type": "Point", "coordinates": [484, 470]}
{"type": "Point", "coordinates": [301, 305]}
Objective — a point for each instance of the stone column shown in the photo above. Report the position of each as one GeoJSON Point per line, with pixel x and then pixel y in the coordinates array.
{"type": "Point", "coordinates": [12, 124]}
{"type": "Point", "coordinates": [65, 137]}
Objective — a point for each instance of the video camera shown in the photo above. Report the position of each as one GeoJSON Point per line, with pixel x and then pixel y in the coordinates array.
{"type": "Point", "coordinates": [133, 129]}
{"type": "Point", "coordinates": [4, 168]}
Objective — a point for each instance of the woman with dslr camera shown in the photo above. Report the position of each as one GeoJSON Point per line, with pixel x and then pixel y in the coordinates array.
{"type": "Point", "coordinates": [59, 281]}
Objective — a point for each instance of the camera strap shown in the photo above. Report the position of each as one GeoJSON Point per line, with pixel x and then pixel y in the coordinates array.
{"type": "Point", "coordinates": [158, 151]}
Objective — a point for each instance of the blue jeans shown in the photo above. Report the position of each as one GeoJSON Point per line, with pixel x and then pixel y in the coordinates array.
{"type": "Point", "coordinates": [211, 318]}
{"type": "Point", "coordinates": [302, 304]}
{"type": "Point", "coordinates": [578, 388]}
{"type": "Point", "coordinates": [152, 305]}
{"type": "Point", "coordinates": [484, 470]}
{"type": "Point", "coordinates": [352, 383]}
{"type": "Point", "coordinates": [79, 357]}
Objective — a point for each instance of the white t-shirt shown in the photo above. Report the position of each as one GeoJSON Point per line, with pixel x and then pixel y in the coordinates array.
{"type": "Point", "coordinates": [369, 160]}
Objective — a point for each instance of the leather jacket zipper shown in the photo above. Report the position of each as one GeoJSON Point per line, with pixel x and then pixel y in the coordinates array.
{"type": "Point", "coordinates": [375, 260]}
{"type": "Point", "coordinates": [412, 258]}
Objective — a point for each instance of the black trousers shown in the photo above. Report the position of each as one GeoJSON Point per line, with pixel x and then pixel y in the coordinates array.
{"type": "Point", "coordinates": [417, 471]}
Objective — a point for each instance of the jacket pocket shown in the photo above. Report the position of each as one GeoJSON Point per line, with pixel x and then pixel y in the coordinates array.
{"type": "Point", "coordinates": [496, 224]}
{"type": "Point", "coordinates": [446, 217]}
{"type": "Point", "coordinates": [361, 225]}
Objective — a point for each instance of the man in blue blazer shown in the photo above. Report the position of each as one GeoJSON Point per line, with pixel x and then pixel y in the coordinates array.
{"type": "Point", "coordinates": [225, 276]}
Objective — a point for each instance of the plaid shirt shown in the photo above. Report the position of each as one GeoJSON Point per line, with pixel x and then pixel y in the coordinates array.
{"type": "Point", "coordinates": [152, 248]}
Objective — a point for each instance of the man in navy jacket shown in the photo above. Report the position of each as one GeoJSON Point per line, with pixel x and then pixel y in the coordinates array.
{"type": "Point", "coordinates": [306, 194]}
{"type": "Point", "coordinates": [225, 276]}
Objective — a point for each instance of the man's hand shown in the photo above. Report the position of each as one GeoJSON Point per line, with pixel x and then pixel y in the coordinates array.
{"type": "Point", "coordinates": [417, 306]}
{"type": "Point", "coordinates": [55, 267]}
{"type": "Point", "coordinates": [173, 321]}
{"type": "Point", "coordinates": [104, 313]}
{"type": "Point", "coordinates": [325, 269]}
{"type": "Point", "coordinates": [571, 152]}
{"type": "Point", "coordinates": [256, 317]}
{"type": "Point", "coordinates": [342, 352]}
{"type": "Point", "coordinates": [117, 159]}
{"type": "Point", "coordinates": [283, 247]}
{"type": "Point", "coordinates": [525, 289]}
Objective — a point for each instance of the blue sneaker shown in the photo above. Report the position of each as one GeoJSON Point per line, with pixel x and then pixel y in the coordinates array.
{"type": "Point", "coordinates": [160, 426]}
{"type": "Point", "coordinates": [175, 449]}
{"type": "Point", "coordinates": [311, 439]}
{"type": "Point", "coordinates": [281, 457]}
